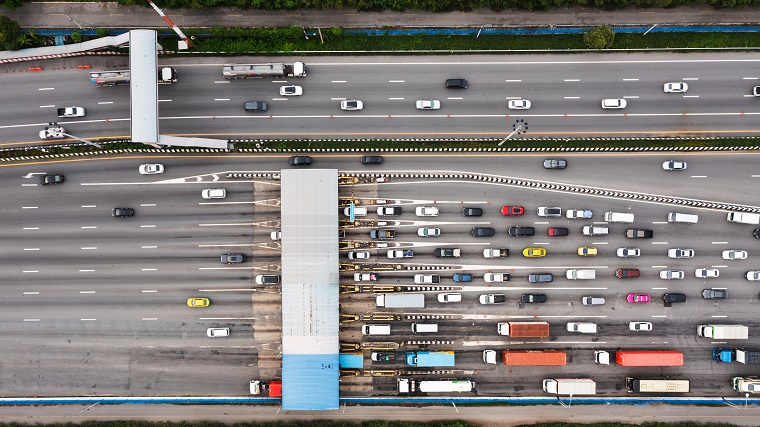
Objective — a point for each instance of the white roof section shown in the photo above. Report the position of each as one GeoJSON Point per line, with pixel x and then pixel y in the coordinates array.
{"type": "Point", "coordinates": [187, 141]}
{"type": "Point", "coordinates": [310, 321]}
{"type": "Point", "coordinates": [143, 83]}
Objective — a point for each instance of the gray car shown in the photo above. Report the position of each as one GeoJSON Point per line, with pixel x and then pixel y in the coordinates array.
{"type": "Point", "coordinates": [256, 106]}
{"type": "Point", "coordinates": [555, 164]}
{"type": "Point", "coordinates": [232, 258]}
{"type": "Point", "coordinates": [714, 294]}
{"type": "Point", "coordinates": [540, 277]}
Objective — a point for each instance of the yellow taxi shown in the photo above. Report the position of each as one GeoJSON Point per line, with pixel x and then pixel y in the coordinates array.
{"type": "Point", "coordinates": [587, 251]}
{"type": "Point", "coordinates": [198, 302]}
{"type": "Point", "coordinates": [534, 252]}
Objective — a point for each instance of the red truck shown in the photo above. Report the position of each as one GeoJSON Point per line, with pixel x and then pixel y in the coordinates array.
{"type": "Point", "coordinates": [534, 357]}
{"type": "Point", "coordinates": [649, 358]}
{"type": "Point", "coordinates": [524, 329]}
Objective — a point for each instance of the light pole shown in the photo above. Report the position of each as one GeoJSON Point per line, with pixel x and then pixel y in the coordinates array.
{"type": "Point", "coordinates": [520, 127]}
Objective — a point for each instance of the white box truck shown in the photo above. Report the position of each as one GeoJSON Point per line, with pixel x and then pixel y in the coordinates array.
{"type": "Point", "coordinates": [723, 332]}
{"type": "Point", "coordinates": [744, 218]}
{"type": "Point", "coordinates": [581, 274]}
{"type": "Point", "coordinates": [399, 300]}
{"type": "Point", "coordinates": [570, 386]}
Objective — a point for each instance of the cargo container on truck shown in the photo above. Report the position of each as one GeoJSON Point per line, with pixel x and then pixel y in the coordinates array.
{"type": "Point", "coordinates": [649, 358]}
{"type": "Point", "coordinates": [570, 386]}
{"type": "Point", "coordinates": [524, 329]}
{"type": "Point", "coordinates": [273, 69]}
{"type": "Point", "coordinates": [429, 359]}
{"type": "Point", "coordinates": [723, 332]}
{"type": "Point", "coordinates": [534, 357]}
{"type": "Point", "coordinates": [744, 218]}
{"type": "Point", "coordinates": [745, 356]}
{"type": "Point", "coordinates": [399, 300]}
{"type": "Point", "coordinates": [407, 385]}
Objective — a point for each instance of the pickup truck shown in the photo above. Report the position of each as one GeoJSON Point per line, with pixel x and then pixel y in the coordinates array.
{"type": "Point", "coordinates": [427, 279]}
{"type": "Point", "coordinates": [493, 299]}
{"type": "Point", "coordinates": [382, 234]}
{"type": "Point", "coordinates": [443, 252]}
{"type": "Point", "coordinates": [495, 253]}
{"type": "Point", "coordinates": [400, 253]}
{"type": "Point", "coordinates": [389, 210]}
{"type": "Point", "coordinates": [71, 112]}
{"type": "Point", "coordinates": [633, 233]}
{"type": "Point", "coordinates": [579, 214]}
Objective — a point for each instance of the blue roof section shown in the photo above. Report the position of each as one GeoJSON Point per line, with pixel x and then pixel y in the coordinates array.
{"type": "Point", "coordinates": [351, 361]}
{"type": "Point", "coordinates": [310, 382]}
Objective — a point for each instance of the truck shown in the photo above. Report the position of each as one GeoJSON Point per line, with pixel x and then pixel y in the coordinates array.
{"type": "Point", "coordinates": [427, 279]}
{"type": "Point", "coordinates": [746, 384]}
{"type": "Point", "coordinates": [579, 214]}
{"type": "Point", "coordinates": [581, 274]}
{"type": "Point", "coordinates": [495, 253]}
{"type": "Point", "coordinates": [524, 329]}
{"type": "Point", "coordinates": [634, 233]}
{"type": "Point", "coordinates": [744, 218]}
{"type": "Point", "coordinates": [382, 233]}
{"type": "Point", "coordinates": [744, 356]}
{"type": "Point", "coordinates": [534, 357]}
{"type": "Point", "coordinates": [649, 358]}
{"type": "Point", "coordinates": [429, 359]}
{"type": "Point", "coordinates": [400, 300]}
{"type": "Point", "coordinates": [400, 253]}
{"type": "Point", "coordinates": [447, 252]}
{"type": "Point", "coordinates": [167, 75]}
{"type": "Point", "coordinates": [406, 385]}
{"type": "Point", "coordinates": [71, 112]}
{"type": "Point", "coordinates": [493, 299]}
{"type": "Point", "coordinates": [723, 332]}
{"type": "Point", "coordinates": [272, 69]}
{"type": "Point", "coordinates": [570, 386]}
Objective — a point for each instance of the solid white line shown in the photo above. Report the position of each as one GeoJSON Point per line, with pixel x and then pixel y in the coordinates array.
{"type": "Point", "coordinates": [151, 291]}
{"type": "Point", "coordinates": [755, 176]}
{"type": "Point", "coordinates": [87, 320]}
{"type": "Point", "coordinates": [279, 81]}
{"type": "Point", "coordinates": [220, 225]}
{"type": "Point", "coordinates": [105, 102]}
{"type": "Point", "coordinates": [222, 81]}
{"type": "Point", "coordinates": [147, 226]}
{"type": "Point", "coordinates": [164, 100]}
{"type": "Point", "coordinates": [719, 243]}
{"type": "Point", "coordinates": [513, 97]}
{"type": "Point", "coordinates": [660, 315]}
{"type": "Point", "coordinates": [90, 226]}
{"type": "Point", "coordinates": [659, 243]}
{"type": "Point", "coordinates": [31, 228]}
{"type": "Point", "coordinates": [31, 271]}
{"type": "Point", "coordinates": [89, 248]}
{"type": "Point", "coordinates": [572, 97]}
{"type": "Point", "coordinates": [31, 293]}
{"type": "Point", "coordinates": [691, 96]}
{"type": "Point", "coordinates": [396, 98]}
{"type": "Point", "coordinates": [659, 222]}
{"type": "Point", "coordinates": [572, 80]}
{"type": "Point", "coordinates": [337, 99]}
{"type": "Point", "coordinates": [147, 204]}
{"type": "Point", "coordinates": [46, 88]}
{"type": "Point", "coordinates": [659, 266]}
{"type": "Point", "coordinates": [690, 78]}
{"type": "Point", "coordinates": [149, 269]}
{"type": "Point", "coordinates": [31, 320]}
{"type": "Point", "coordinates": [631, 97]}
{"type": "Point", "coordinates": [221, 99]}
{"type": "Point", "coordinates": [86, 292]}
{"type": "Point", "coordinates": [719, 266]}
{"type": "Point", "coordinates": [599, 243]}
{"type": "Point", "coordinates": [455, 98]}
{"type": "Point", "coordinates": [28, 207]}
{"type": "Point", "coordinates": [719, 315]}
{"type": "Point", "coordinates": [149, 247]}
{"type": "Point", "coordinates": [750, 78]}
{"type": "Point", "coordinates": [31, 249]}
{"type": "Point", "coordinates": [28, 185]}
{"type": "Point", "coordinates": [47, 106]}
{"type": "Point", "coordinates": [85, 271]}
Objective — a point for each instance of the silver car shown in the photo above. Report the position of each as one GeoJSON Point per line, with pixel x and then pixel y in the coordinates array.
{"type": "Point", "coordinates": [428, 104]}
{"type": "Point", "coordinates": [518, 104]}
{"type": "Point", "coordinates": [614, 104]}
{"type": "Point", "coordinates": [351, 105]}
{"type": "Point", "coordinates": [675, 87]}
{"type": "Point", "coordinates": [671, 275]}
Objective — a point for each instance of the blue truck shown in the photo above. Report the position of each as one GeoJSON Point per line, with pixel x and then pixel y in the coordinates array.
{"type": "Point", "coordinates": [728, 355]}
{"type": "Point", "coordinates": [430, 358]}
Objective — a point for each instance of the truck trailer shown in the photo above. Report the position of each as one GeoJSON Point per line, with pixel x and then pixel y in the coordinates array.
{"type": "Point", "coordinates": [570, 386]}
{"type": "Point", "coordinates": [534, 357]}
{"type": "Point", "coordinates": [744, 218]}
{"type": "Point", "coordinates": [723, 332]}
{"type": "Point", "coordinates": [744, 356]}
{"type": "Point", "coordinates": [400, 300]}
{"type": "Point", "coordinates": [274, 69]}
{"type": "Point", "coordinates": [167, 75]}
{"type": "Point", "coordinates": [429, 359]}
{"type": "Point", "coordinates": [407, 385]}
{"type": "Point", "coordinates": [649, 358]}
{"type": "Point", "coordinates": [524, 329]}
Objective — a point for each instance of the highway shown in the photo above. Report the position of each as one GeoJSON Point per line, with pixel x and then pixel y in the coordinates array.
{"type": "Point", "coordinates": [95, 305]}
{"type": "Point", "coordinates": [565, 91]}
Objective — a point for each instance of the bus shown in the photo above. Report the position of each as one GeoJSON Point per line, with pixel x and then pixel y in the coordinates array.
{"type": "Point", "coordinates": [635, 385]}
{"type": "Point", "coordinates": [109, 78]}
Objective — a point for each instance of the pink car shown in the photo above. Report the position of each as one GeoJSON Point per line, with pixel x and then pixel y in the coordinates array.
{"type": "Point", "coordinates": [639, 298]}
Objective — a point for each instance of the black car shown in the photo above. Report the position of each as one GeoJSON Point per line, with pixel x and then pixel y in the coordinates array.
{"type": "Point", "coordinates": [540, 277]}
{"type": "Point", "coordinates": [482, 232]}
{"type": "Point", "coordinates": [122, 212]}
{"type": "Point", "coordinates": [456, 84]}
{"type": "Point", "coordinates": [51, 178]}
{"type": "Point", "coordinates": [382, 357]}
{"type": "Point", "coordinates": [715, 294]}
{"type": "Point", "coordinates": [256, 106]}
{"type": "Point", "coordinates": [521, 231]}
{"type": "Point", "coordinates": [756, 233]}
{"type": "Point", "coordinates": [372, 160]}
{"type": "Point", "coordinates": [555, 164]}
{"type": "Point", "coordinates": [533, 298]}
{"type": "Point", "coordinates": [472, 212]}
{"type": "Point", "coordinates": [671, 298]}
{"type": "Point", "coordinates": [558, 231]}
{"type": "Point", "coordinates": [232, 258]}
{"type": "Point", "coordinates": [299, 161]}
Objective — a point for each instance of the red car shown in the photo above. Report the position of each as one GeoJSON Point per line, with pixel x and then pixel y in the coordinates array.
{"type": "Point", "coordinates": [627, 273]}
{"type": "Point", "coordinates": [558, 231]}
{"type": "Point", "coordinates": [638, 298]}
{"type": "Point", "coordinates": [512, 210]}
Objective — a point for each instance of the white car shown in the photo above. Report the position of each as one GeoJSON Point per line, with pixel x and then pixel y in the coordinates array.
{"type": "Point", "coordinates": [275, 235]}
{"type": "Point", "coordinates": [732, 254]}
{"type": "Point", "coordinates": [640, 326]}
{"type": "Point", "coordinates": [450, 297]}
{"type": "Point", "coordinates": [753, 276]}
{"type": "Point", "coordinates": [679, 253]}
{"type": "Point", "coordinates": [358, 255]}
{"type": "Point", "coordinates": [673, 165]}
{"type": "Point", "coordinates": [428, 104]}
{"type": "Point", "coordinates": [518, 104]}
{"type": "Point", "coordinates": [671, 274]}
{"type": "Point", "coordinates": [675, 87]}
{"type": "Point", "coordinates": [705, 273]}
{"type": "Point", "coordinates": [426, 211]}
{"type": "Point", "coordinates": [291, 90]}
{"type": "Point", "coordinates": [495, 277]}
{"type": "Point", "coordinates": [547, 211]}
{"type": "Point", "coordinates": [71, 112]}
{"type": "Point", "coordinates": [614, 104]}
{"type": "Point", "coordinates": [151, 169]}
{"type": "Point", "coordinates": [628, 252]}
{"type": "Point", "coordinates": [214, 193]}
{"type": "Point", "coordinates": [351, 105]}
{"type": "Point", "coordinates": [428, 231]}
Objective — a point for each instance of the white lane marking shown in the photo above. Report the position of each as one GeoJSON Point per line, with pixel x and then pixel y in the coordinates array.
{"type": "Point", "coordinates": [225, 268]}
{"type": "Point", "coordinates": [750, 78]}
{"type": "Point", "coordinates": [47, 106]}
{"type": "Point", "coordinates": [150, 291]}
{"type": "Point", "coordinates": [221, 99]}
{"type": "Point", "coordinates": [31, 320]}
{"type": "Point", "coordinates": [89, 206]}
{"type": "Point", "coordinates": [337, 99]}
{"type": "Point", "coordinates": [28, 207]}
{"type": "Point", "coordinates": [719, 315]}
{"type": "Point", "coordinates": [631, 97]}
{"type": "Point", "coordinates": [149, 247]}
{"type": "Point", "coordinates": [719, 266]}
{"type": "Point", "coordinates": [87, 320]}
{"type": "Point", "coordinates": [147, 204]}
{"type": "Point", "coordinates": [699, 176]}
{"type": "Point", "coordinates": [572, 97]}
{"type": "Point", "coordinates": [690, 78]}
{"type": "Point", "coordinates": [659, 315]}
{"type": "Point", "coordinates": [105, 102]}
{"type": "Point", "coordinates": [659, 222]}
{"type": "Point", "coordinates": [164, 100]}
{"type": "Point", "coordinates": [279, 81]}
{"type": "Point", "coordinates": [89, 248]}
{"type": "Point", "coordinates": [659, 289]}
{"type": "Point", "coordinates": [31, 293]}
{"type": "Point", "coordinates": [150, 318]}
{"type": "Point", "coordinates": [513, 81]}
{"type": "Point", "coordinates": [659, 243]}
{"type": "Point", "coordinates": [455, 98]}
{"type": "Point", "coordinates": [221, 82]}
{"type": "Point", "coordinates": [513, 97]}
{"type": "Point", "coordinates": [659, 266]}
{"type": "Point", "coordinates": [31, 249]}
{"type": "Point", "coordinates": [599, 243]}
{"type": "Point", "coordinates": [85, 271]}
{"type": "Point", "coordinates": [279, 99]}
{"type": "Point", "coordinates": [396, 81]}
{"type": "Point", "coordinates": [149, 269]}
{"type": "Point", "coordinates": [691, 96]}
{"type": "Point", "coordinates": [89, 226]}
{"type": "Point", "coordinates": [719, 243]}
{"type": "Point", "coordinates": [222, 224]}
{"type": "Point", "coordinates": [31, 271]}
{"type": "Point", "coordinates": [572, 80]}
{"type": "Point", "coordinates": [540, 222]}
{"type": "Point", "coordinates": [31, 228]}
{"type": "Point", "coordinates": [337, 81]}
{"type": "Point", "coordinates": [540, 243]}
{"type": "Point", "coordinates": [28, 185]}
{"type": "Point", "coordinates": [86, 292]}
{"type": "Point", "coordinates": [46, 88]}
{"type": "Point", "coordinates": [630, 80]}
{"type": "Point", "coordinates": [397, 98]}
{"type": "Point", "coordinates": [147, 226]}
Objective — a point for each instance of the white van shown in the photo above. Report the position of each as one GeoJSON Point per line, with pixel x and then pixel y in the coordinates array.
{"type": "Point", "coordinates": [682, 218]}
{"type": "Point", "coordinates": [581, 274]}
{"type": "Point", "coordinates": [582, 327]}
{"type": "Point", "coordinates": [424, 328]}
{"type": "Point", "coordinates": [592, 300]}
{"type": "Point", "coordinates": [358, 211]}
{"type": "Point", "coordinates": [376, 329]}
{"type": "Point", "coordinates": [217, 332]}
{"type": "Point", "coordinates": [618, 217]}
{"type": "Point", "coordinates": [450, 297]}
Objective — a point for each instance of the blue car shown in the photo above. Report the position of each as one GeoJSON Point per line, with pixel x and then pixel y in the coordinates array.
{"type": "Point", "coordinates": [462, 277]}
